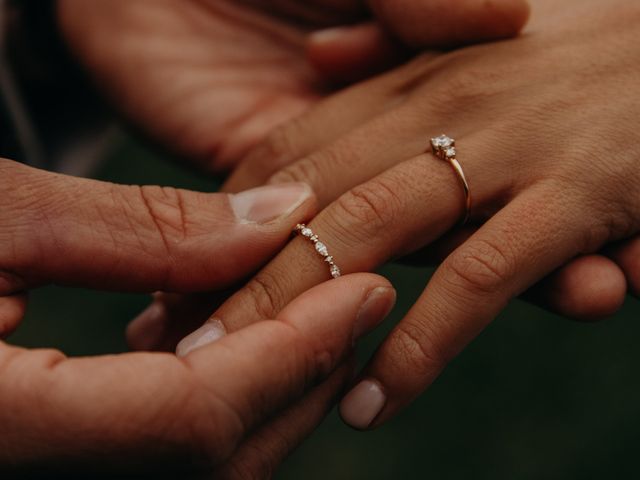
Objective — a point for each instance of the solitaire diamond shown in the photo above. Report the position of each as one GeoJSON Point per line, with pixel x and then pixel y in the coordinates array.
{"type": "Point", "coordinates": [442, 142]}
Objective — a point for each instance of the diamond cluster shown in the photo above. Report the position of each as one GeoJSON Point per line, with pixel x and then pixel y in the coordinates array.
{"type": "Point", "coordinates": [320, 247]}
{"type": "Point", "coordinates": [444, 147]}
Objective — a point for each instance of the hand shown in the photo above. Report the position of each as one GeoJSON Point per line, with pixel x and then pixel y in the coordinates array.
{"type": "Point", "coordinates": [212, 410]}
{"type": "Point", "coordinates": [142, 413]}
{"type": "Point", "coordinates": [550, 147]}
{"type": "Point", "coordinates": [211, 78]}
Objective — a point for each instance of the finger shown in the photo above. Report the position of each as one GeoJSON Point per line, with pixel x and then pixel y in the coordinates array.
{"type": "Point", "coordinates": [261, 454]}
{"type": "Point", "coordinates": [627, 255]}
{"type": "Point", "coordinates": [433, 23]}
{"type": "Point", "coordinates": [325, 136]}
{"type": "Point", "coordinates": [12, 310]}
{"type": "Point", "coordinates": [403, 209]}
{"type": "Point", "coordinates": [156, 411]}
{"type": "Point", "coordinates": [588, 288]}
{"type": "Point", "coordinates": [83, 232]}
{"type": "Point", "coordinates": [354, 52]}
{"type": "Point", "coordinates": [170, 318]}
{"type": "Point", "coordinates": [524, 242]}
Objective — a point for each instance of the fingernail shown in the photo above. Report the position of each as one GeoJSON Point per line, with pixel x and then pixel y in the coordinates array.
{"type": "Point", "coordinates": [265, 204]}
{"type": "Point", "coordinates": [328, 35]}
{"type": "Point", "coordinates": [208, 333]}
{"type": "Point", "coordinates": [374, 310]}
{"type": "Point", "coordinates": [360, 407]}
{"type": "Point", "coordinates": [146, 330]}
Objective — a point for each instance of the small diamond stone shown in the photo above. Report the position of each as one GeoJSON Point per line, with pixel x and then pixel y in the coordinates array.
{"type": "Point", "coordinates": [442, 142]}
{"type": "Point", "coordinates": [328, 259]}
{"type": "Point", "coordinates": [306, 232]}
{"type": "Point", "coordinates": [322, 249]}
{"type": "Point", "coordinates": [450, 152]}
{"type": "Point", "coordinates": [335, 271]}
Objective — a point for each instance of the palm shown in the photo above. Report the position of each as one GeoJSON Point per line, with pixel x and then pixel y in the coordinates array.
{"type": "Point", "coordinates": [208, 78]}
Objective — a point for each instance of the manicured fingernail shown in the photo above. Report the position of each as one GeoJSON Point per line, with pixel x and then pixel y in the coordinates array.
{"type": "Point", "coordinates": [208, 333]}
{"type": "Point", "coordinates": [360, 407]}
{"type": "Point", "coordinates": [146, 330]}
{"type": "Point", "coordinates": [374, 310]}
{"type": "Point", "coordinates": [265, 204]}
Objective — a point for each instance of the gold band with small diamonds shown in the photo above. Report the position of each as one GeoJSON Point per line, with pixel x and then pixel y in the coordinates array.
{"type": "Point", "coordinates": [444, 148]}
{"type": "Point", "coordinates": [304, 231]}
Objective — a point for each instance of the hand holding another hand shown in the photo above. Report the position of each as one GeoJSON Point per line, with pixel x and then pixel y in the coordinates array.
{"type": "Point", "coordinates": [209, 79]}
{"type": "Point", "coordinates": [552, 168]}
{"type": "Point", "coordinates": [145, 413]}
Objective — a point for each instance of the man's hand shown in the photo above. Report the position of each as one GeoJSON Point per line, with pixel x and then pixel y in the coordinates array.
{"type": "Point", "coordinates": [157, 413]}
{"type": "Point", "coordinates": [142, 413]}
{"type": "Point", "coordinates": [211, 78]}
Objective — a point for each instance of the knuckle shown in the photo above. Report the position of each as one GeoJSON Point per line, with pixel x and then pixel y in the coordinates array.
{"type": "Point", "coordinates": [481, 267]}
{"type": "Point", "coordinates": [305, 171]}
{"type": "Point", "coordinates": [372, 207]}
{"type": "Point", "coordinates": [415, 349]}
{"type": "Point", "coordinates": [468, 87]}
{"type": "Point", "coordinates": [279, 148]}
{"type": "Point", "coordinates": [167, 211]}
{"type": "Point", "coordinates": [266, 295]}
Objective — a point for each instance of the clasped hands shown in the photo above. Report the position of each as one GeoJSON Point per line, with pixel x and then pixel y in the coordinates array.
{"type": "Point", "coordinates": [531, 118]}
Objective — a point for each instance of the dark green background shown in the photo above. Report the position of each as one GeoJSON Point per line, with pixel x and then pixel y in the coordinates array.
{"type": "Point", "coordinates": [535, 396]}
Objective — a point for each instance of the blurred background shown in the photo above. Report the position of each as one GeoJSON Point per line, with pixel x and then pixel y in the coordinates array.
{"type": "Point", "coordinates": [535, 396]}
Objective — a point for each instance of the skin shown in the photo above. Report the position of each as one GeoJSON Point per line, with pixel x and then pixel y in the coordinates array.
{"type": "Point", "coordinates": [231, 408]}
{"type": "Point", "coordinates": [209, 79]}
{"type": "Point", "coordinates": [210, 410]}
{"type": "Point", "coordinates": [72, 251]}
{"type": "Point", "coordinates": [536, 121]}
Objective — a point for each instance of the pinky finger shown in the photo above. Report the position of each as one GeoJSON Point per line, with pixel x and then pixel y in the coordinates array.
{"type": "Point", "coordinates": [587, 288]}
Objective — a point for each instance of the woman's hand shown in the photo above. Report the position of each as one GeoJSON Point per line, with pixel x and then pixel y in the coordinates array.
{"type": "Point", "coordinates": [547, 132]}
{"type": "Point", "coordinates": [143, 413]}
{"type": "Point", "coordinates": [211, 78]}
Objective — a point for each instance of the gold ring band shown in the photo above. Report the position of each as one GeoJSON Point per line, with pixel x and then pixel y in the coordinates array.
{"type": "Point", "coordinates": [444, 148]}
{"type": "Point", "coordinates": [304, 231]}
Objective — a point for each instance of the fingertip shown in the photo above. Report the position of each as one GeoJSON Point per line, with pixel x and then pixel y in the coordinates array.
{"type": "Point", "coordinates": [361, 406]}
{"type": "Point", "coordinates": [589, 288]}
{"type": "Point", "coordinates": [146, 330]}
{"type": "Point", "coordinates": [506, 18]}
{"type": "Point", "coordinates": [364, 300]}
{"type": "Point", "coordinates": [12, 311]}
{"type": "Point", "coordinates": [627, 256]}
{"type": "Point", "coordinates": [351, 53]}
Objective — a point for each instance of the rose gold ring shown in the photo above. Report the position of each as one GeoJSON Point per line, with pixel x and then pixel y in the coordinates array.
{"type": "Point", "coordinates": [444, 148]}
{"type": "Point", "coordinates": [304, 231]}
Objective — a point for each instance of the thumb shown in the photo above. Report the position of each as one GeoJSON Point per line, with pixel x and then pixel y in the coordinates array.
{"type": "Point", "coordinates": [155, 413]}
{"type": "Point", "coordinates": [73, 231]}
